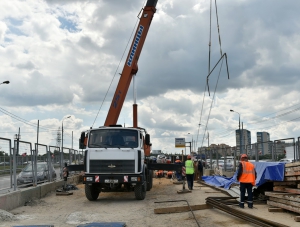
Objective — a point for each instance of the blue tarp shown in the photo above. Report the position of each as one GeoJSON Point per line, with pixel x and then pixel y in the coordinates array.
{"type": "Point", "coordinates": [266, 171]}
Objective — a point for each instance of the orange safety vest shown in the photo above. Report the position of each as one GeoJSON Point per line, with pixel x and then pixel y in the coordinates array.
{"type": "Point", "coordinates": [248, 174]}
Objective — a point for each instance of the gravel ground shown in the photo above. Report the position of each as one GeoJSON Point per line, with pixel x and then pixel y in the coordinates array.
{"type": "Point", "coordinates": [72, 210]}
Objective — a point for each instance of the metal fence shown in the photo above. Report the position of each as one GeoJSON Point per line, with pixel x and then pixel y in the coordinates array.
{"type": "Point", "coordinates": [277, 149]}
{"type": "Point", "coordinates": [31, 156]}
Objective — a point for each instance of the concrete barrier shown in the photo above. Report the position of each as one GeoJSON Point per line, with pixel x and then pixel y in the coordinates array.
{"type": "Point", "coordinates": [18, 198]}
{"type": "Point", "coordinates": [208, 172]}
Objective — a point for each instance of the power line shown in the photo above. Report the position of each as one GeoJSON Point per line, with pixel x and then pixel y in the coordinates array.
{"type": "Point", "coordinates": [21, 119]}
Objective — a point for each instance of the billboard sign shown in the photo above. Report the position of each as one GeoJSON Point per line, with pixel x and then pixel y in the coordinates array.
{"type": "Point", "coordinates": [179, 142]}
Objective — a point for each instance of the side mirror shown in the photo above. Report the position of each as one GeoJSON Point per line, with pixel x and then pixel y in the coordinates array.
{"type": "Point", "coordinates": [147, 140]}
{"type": "Point", "coordinates": [82, 144]}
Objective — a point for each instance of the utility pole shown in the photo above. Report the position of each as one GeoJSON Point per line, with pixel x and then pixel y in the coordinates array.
{"type": "Point", "coordinates": [15, 152]}
{"type": "Point", "coordinates": [208, 139]}
{"type": "Point", "coordinates": [243, 140]}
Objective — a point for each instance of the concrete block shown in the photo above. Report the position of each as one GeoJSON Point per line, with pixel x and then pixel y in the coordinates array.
{"type": "Point", "coordinates": [228, 174]}
{"type": "Point", "coordinates": [208, 172]}
{"type": "Point", "coordinates": [29, 194]}
{"type": "Point", "coordinates": [10, 201]}
{"type": "Point", "coordinates": [18, 198]}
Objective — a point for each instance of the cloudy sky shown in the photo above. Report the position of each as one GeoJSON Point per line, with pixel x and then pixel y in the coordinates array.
{"type": "Point", "coordinates": [63, 58]}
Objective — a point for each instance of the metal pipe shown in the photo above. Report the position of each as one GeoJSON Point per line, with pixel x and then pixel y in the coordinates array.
{"type": "Point", "coordinates": [215, 202]}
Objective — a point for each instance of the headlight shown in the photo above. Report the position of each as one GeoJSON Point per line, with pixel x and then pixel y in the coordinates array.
{"type": "Point", "coordinates": [40, 174]}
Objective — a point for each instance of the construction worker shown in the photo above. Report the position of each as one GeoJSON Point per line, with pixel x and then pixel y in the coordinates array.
{"type": "Point", "coordinates": [246, 176]}
{"type": "Point", "coordinates": [65, 175]}
{"type": "Point", "coordinates": [178, 173]}
{"type": "Point", "coordinates": [189, 170]}
{"type": "Point", "coordinates": [200, 169]}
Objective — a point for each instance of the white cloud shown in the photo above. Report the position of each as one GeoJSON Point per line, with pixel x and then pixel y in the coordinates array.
{"type": "Point", "coordinates": [61, 57]}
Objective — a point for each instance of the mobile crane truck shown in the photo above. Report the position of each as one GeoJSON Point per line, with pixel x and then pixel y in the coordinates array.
{"type": "Point", "coordinates": [115, 157]}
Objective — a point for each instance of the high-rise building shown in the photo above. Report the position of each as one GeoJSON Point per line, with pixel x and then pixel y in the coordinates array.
{"type": "Point", "coordinates": [243, 141]}
{"type": "Point", "coordinates": [263, 144]}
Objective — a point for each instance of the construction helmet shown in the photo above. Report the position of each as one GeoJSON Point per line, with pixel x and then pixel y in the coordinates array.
{"type": "Point", "coordinates": [188, 157]}
{"type": "Point", "coordinates": [177, 157]}
{"type": "Point", "coordinates": [244, 156]}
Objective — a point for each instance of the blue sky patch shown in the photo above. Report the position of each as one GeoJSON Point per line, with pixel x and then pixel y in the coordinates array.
{"type": "Point", "coordinates": [68, 24]}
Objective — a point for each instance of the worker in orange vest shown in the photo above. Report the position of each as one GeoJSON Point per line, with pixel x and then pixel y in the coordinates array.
{"type": "Point", "coordinates": [246, 176]}
{"type": "Point", "coordinates": [178, 173]}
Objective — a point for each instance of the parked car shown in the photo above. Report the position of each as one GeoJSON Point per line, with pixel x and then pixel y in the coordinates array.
{"type": "Point", "coordinates": [25, 176]}
{"type": "Point", "coordinates": [229, 165]}
{"type": "Point", "coordinates": [286, 160]}
{"type": "Point", "coordinates": [4, 163]}
{"type": "Point", "coordinates": [153, 158]}
{"type": "Point", "coordinates": [161, 158]}
{"type": "Point", "coordinates": [208, 164]}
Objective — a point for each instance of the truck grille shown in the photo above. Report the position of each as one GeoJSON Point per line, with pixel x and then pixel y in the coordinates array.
{"type": "Point", "coordinates": [112, 166]}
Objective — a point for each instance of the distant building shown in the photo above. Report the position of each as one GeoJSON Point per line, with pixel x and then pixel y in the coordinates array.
{"type": "Point", "coordinates": [221, 149]}
{"type": "Point", "coordinates": [243, 141]}
{"type": "Point", "coordinates": [263, 144]}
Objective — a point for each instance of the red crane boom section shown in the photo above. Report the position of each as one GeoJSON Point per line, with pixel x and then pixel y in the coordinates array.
{"type": "Point", "coordinates": [130, 67]}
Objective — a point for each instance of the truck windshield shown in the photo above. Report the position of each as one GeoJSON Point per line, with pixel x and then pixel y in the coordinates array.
{"type": "Point", "coordinates": [113, 138]}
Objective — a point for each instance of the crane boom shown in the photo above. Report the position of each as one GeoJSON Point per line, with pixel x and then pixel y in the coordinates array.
{"type": "Point", "coordinates": [130, 67]}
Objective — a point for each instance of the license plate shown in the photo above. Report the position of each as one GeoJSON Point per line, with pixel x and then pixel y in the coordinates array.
{"type": "Point", "coordinates": [111, 180]}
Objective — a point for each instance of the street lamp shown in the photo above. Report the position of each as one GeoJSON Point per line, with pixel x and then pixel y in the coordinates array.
{"type": "Point", "coordinates": [239, 130]}
{"type": "Point", "coordinates": [62, 144]}
{"type": "Point", "coordinates": [191, 143]}
{"type": "Point", "coordinates": [5, 82]}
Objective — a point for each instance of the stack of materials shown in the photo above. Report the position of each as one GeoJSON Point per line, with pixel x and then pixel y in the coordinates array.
{"type": "Point", "coordinates": [286, 194]}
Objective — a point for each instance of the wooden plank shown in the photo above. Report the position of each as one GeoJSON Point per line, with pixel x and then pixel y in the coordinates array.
{"type": "Point", "coordinates": [279, 188]}
{"type": "Point", "coordinates": [278, 194]}
{"type": "Point", "coordinates": [294, 178]}
{"type": "Point", "coordinates": [275, 209]}
{"type": "Point", "coordinates": [283, 195]}
{"type": "Point", "coordinates": [293, 168]}
{"type": "Point", "coordinates": [292, 173]}
{"type": "Point", "coordinates": [297, 218]}
{"type": "Point", "coordinates": [284, 206]}
{"type": "Point", "coordinates": [285, 201]}
{"type": "Point", "coordinates": [292, 190]}
{"type": "Point", "coordinates": [168, 210]}
{"type": "Point", "coordinates": [292, 164]}
{"type": "Point", "coordinates": [285, 189]}
{"type": "Point", "coordinates": [277, 183]}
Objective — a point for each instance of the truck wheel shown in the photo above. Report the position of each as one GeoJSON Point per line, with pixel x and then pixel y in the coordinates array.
{"type": "Point", "coordinates": [140, 191]}
{"type": "Point", "coordinates": [91, 192]}
{"type": "Point", "coordinates": [150, 180]}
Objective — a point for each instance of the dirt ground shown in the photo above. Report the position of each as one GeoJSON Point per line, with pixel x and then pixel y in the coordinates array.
{"type": "Point", "coordinates": [73, 210]}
